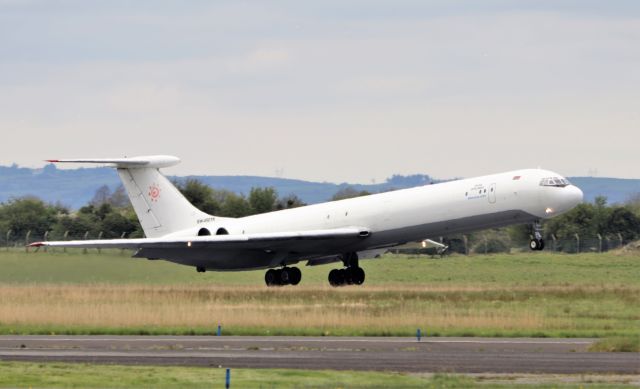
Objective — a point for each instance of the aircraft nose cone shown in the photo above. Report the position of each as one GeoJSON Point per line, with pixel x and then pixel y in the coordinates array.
{"type": "Point", "coordinates": [575, 195]}
{"type": "Point", "coordinates": [569, 197]}
{"type": "Point", "coordinates": [560, 200]}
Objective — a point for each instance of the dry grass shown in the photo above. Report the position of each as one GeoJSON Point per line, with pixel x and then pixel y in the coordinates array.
{"type": "Point", "coordinates": [319, 310]}
{"type": "Point", "coordinates": [528, 294]}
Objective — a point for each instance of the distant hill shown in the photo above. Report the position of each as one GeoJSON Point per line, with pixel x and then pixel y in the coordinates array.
{"type": "Point", "coordinates": [616, 190]}
{"type": "Point", "coordinates": [72, 188]}
{"type": "Point", "coordinates": [76, 187]}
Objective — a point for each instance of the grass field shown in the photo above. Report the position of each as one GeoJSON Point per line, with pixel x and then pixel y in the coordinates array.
{"type": "Point", "coordinates": [502, 270]}
{"type": "Point", "coordinates": [61, 375]}
{"type": "Point", "coordinates": [532, 294]}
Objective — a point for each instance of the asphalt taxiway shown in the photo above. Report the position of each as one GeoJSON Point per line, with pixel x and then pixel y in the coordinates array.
{"type": "Point", "coordinates": [460, 355]}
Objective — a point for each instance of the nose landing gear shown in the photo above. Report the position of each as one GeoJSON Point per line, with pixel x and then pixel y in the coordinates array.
{"type": "Point", "coordinates": [537, 243]}
{"type": "Point", "coordinates": [284, 276]}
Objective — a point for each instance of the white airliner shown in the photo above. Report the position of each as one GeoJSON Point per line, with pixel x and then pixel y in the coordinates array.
{"type": "Point", "coordinates": [337, 231]}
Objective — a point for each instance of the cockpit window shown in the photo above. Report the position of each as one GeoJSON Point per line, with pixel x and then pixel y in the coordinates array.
{"type": "Point", "coordinates": [554, 181]}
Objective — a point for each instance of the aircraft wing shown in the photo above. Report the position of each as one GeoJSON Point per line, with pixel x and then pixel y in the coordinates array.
{"type": "Point", "coordinates": [273, 240]}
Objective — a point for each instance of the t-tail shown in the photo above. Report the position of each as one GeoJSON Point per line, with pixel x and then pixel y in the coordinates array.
{"type": "Point", "coordinates": [159, 205]}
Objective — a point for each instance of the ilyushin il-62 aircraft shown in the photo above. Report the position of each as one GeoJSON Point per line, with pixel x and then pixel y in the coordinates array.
{"type": "Point", "coordinates": [338, 231]}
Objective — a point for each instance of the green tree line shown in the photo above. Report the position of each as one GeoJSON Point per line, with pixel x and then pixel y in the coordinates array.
{"type": "Point", "coordinates": [110, 215]}
{"type": "Point", "coordinates": [587, 221]}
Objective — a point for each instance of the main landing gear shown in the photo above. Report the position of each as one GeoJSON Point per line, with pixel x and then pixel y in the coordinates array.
{"type": "Point", "coordinates": [284, 276]}
{"type": "Point", "coordinates": [352, 274]}
{"type": "Point", "coordinates": [537, 243]}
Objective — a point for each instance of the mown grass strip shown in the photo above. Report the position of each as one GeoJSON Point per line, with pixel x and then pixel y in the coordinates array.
{"type": "Point", "coordinates": [503, 270]}
{"type": "Point", "coordinates": [58, 375]}
{"type": "Point", "coordinates": [629, 344]}
{"type": "Point", "coordinates": [67, 375]}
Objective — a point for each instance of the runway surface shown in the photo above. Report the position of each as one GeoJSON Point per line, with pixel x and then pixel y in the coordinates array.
{"type": "Point", "coordinates": [461, 355]}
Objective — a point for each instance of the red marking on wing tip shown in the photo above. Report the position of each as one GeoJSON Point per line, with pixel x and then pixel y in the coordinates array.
{"type": "Point", "coordinates": [36, 244]}
{"type": "Point", "coordinates": [52, 160]}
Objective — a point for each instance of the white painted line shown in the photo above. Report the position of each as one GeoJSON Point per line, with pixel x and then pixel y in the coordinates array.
{"type": "Point", "coordinates": [301, 340]}
{"type": "Point", "coordinates": [173, 354]}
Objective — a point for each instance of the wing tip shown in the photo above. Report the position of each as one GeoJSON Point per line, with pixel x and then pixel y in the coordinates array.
{"type": "Point", "coordinates": [37, 244]}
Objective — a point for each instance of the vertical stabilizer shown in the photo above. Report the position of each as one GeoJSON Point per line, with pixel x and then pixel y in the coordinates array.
{"type": "Point", "coordinates": [160, 206]}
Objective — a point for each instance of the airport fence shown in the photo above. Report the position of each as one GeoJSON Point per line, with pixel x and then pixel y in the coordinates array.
{"type": "Point", "coordinates": [476, 244]}
{"type": "Point", "coordinates": [480, 244]}
{"type": "Point", "coordinates": [572, 245]}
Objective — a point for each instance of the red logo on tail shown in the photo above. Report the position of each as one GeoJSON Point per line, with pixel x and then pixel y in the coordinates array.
{"type": "Point", "coordinates": [154, 192]}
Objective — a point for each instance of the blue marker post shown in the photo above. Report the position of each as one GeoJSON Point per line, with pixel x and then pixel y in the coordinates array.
{"type": "Point", "coordinates": [219, 330]}
{"type": "Point", "coordinates": [227, 379]}
{"type": "Point", "coordinates": [418, 334]}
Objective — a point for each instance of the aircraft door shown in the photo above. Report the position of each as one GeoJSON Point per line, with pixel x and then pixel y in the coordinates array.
{"type": "Point", "coordinates": [492, 193]}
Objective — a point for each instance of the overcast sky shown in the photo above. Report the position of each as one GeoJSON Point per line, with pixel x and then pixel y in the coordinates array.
{"type": "Point", "coordinates": [328, 90]}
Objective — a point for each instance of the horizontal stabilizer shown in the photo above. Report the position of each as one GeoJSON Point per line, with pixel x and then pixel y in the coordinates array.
{"type": "Point", "coordinates": [152, 161]}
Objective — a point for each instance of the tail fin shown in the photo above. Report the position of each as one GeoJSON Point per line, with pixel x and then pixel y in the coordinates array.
{"type": "Point", "coordinates": [160, 206]}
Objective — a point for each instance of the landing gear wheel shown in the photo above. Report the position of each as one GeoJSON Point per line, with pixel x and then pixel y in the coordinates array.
{"type": "Point", "coordinates": [334, 277]}
{"type": "Point", "coordinates": [295, 275]}
{"type": "Point", "coordinates": [358, 275]}
{"type": "Point", "coordinates": [270, 277]}
{"type": "Point", "coordinates": [347, 276]}
{"type": "Point", "coordinates": [200, 269]}
{"type": "Point", "coordinates": [536, 244]}
{"type": "Point", "coordinates": [285, 276]}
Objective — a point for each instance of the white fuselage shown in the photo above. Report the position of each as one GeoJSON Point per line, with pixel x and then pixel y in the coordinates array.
{"type": "Point", "coordinates": [401, 216]}
{"type": "Point", "coordinates": [346, 230]}
{"type": "Point", "coordinates": [421, 206]}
